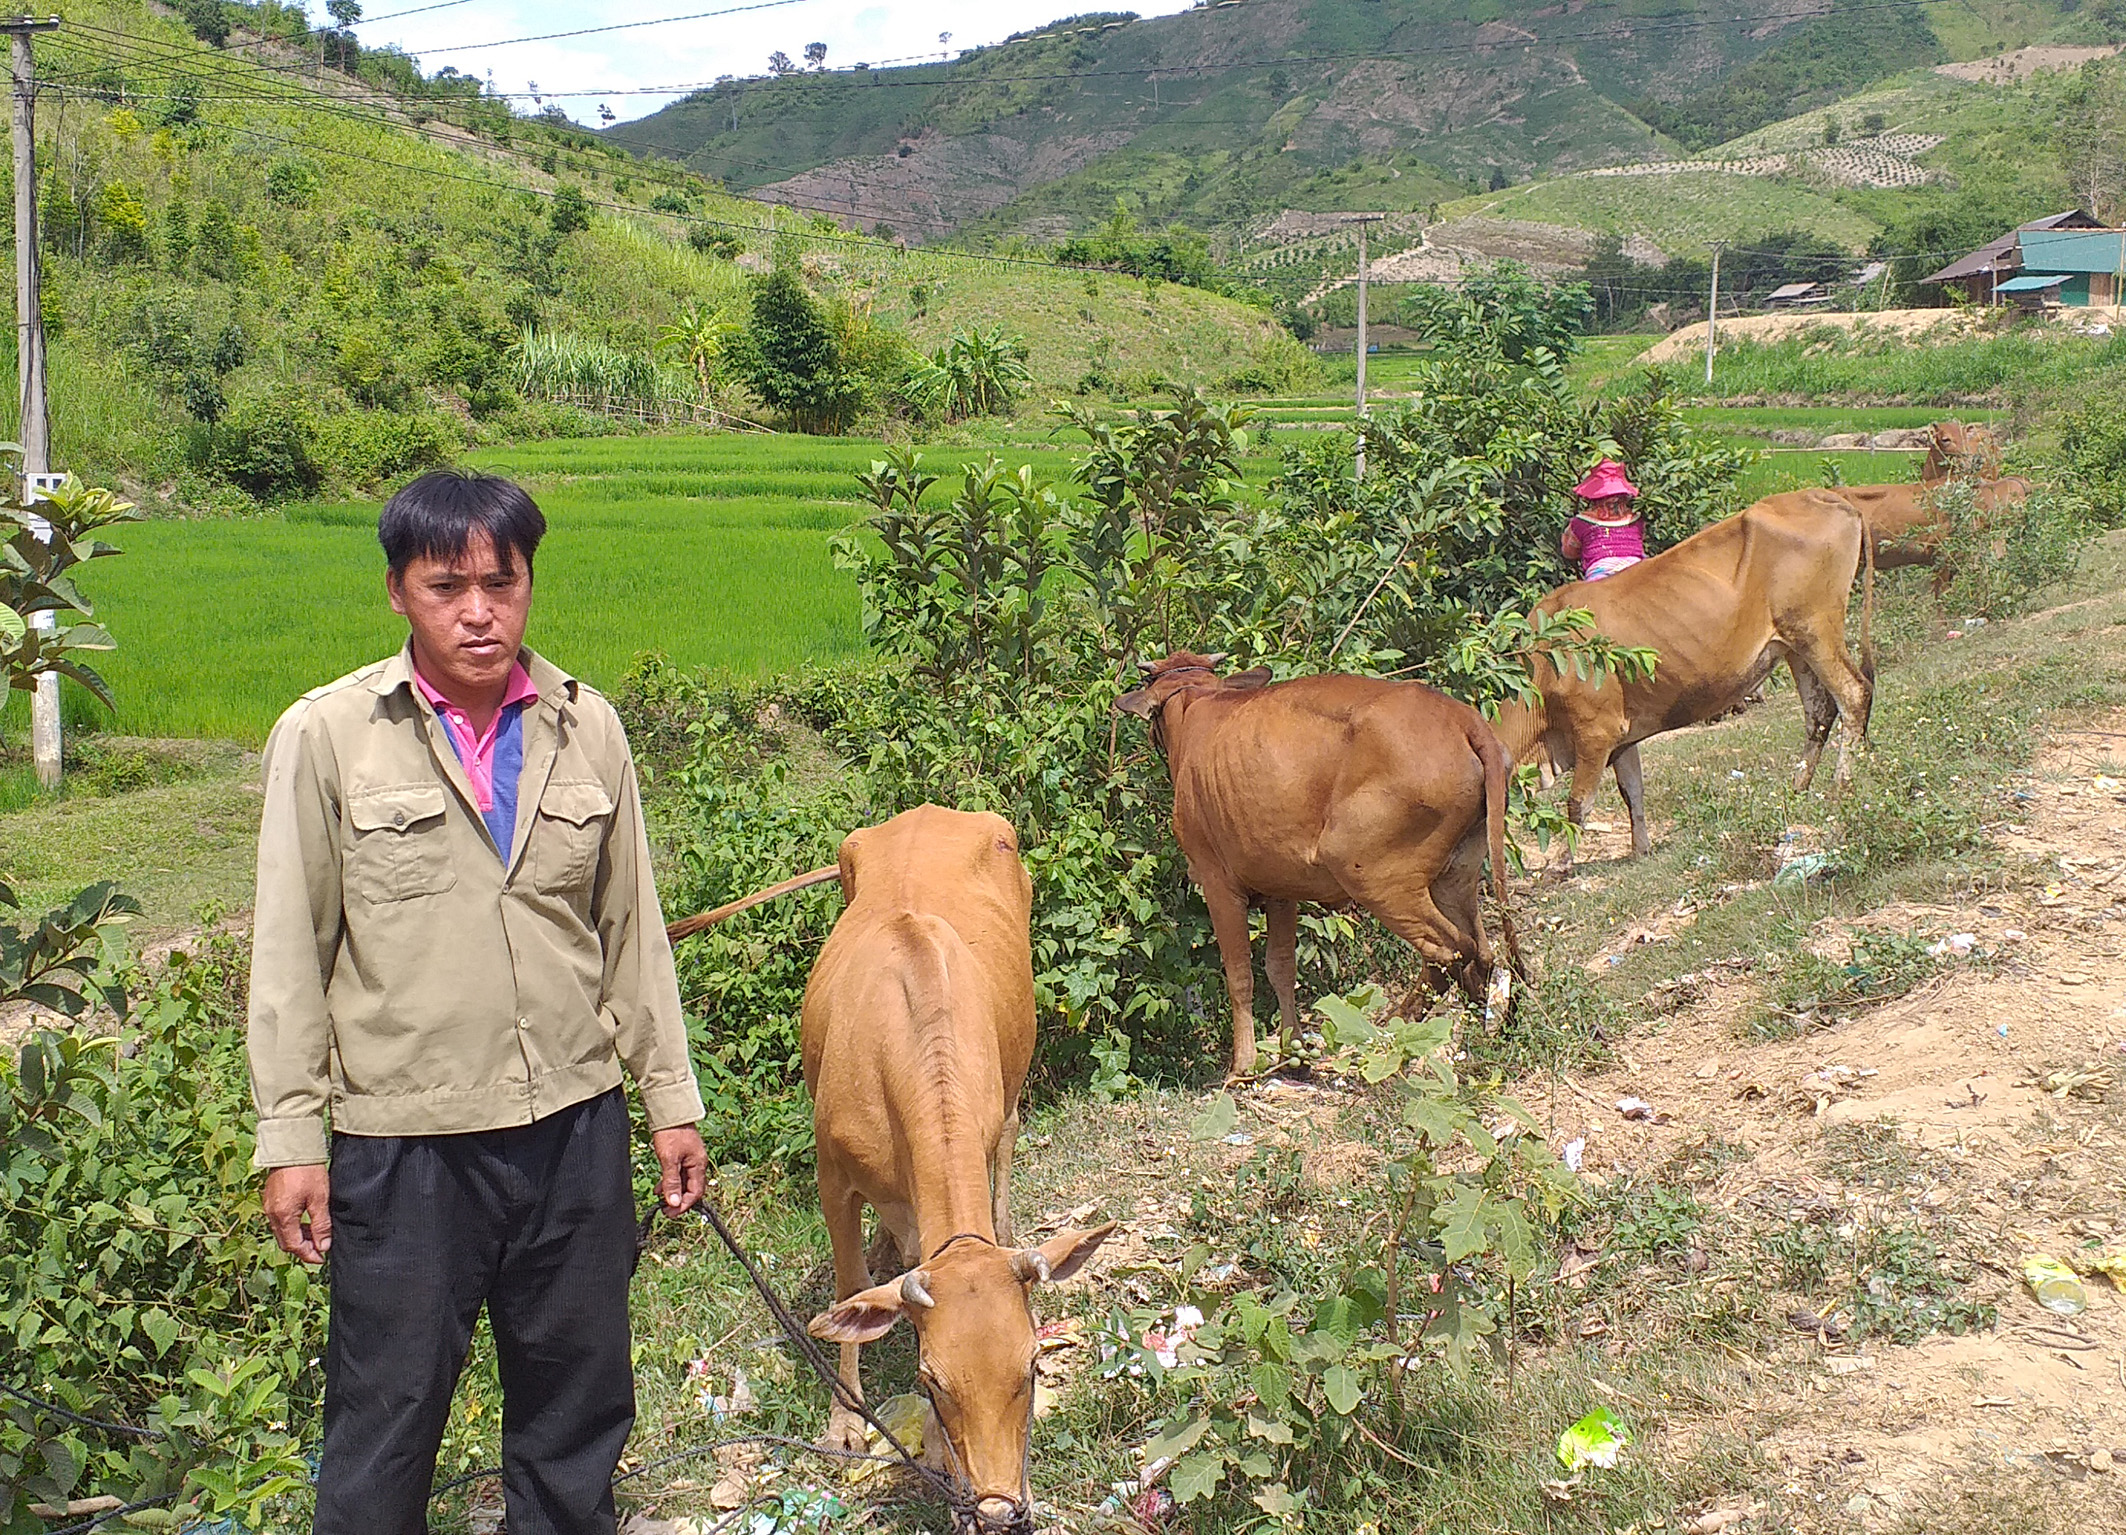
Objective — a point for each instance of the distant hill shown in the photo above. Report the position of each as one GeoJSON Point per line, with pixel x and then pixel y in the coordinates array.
{"type": "Point", "coordinates": [285, 265]}
{"type": "Point", "coordinates": [1225, 115]}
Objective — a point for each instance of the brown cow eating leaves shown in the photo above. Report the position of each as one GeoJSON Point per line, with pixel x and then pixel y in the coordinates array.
{"type": "Point", "coordinates": [1339, 790]}
{"type": "Point", "coordinates": [918, 1029]}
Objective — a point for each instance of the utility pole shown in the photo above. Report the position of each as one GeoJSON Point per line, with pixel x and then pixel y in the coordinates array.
{"type": "Point", "coordinates": [36, 432]}
{"type": "Point", "coordinates": [1361, 464]}
{"type": "Point", "coordinates": [1712, 314]}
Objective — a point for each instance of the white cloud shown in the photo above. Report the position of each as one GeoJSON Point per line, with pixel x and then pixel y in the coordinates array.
{"type": "Point", "coordinates": [668, 60]}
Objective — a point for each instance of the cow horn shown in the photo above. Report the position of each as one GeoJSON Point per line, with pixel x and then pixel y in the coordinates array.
{"type": "Point", "coordinates": [915, 1290]}
{"type": "Point", "coordinates": [1149, 668]}
{"type": "Point", "coordinates": [1217, 658]}
{"type": "Point", "coordinates": [1031, 1265]}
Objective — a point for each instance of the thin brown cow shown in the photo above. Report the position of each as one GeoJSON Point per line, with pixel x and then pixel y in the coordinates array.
{"type": "Point", "coordinates": [1338, 790]}
{"type": "Point", "coordinates": [918, 1029]}
{"type": "Point", "coordinates": [1720, 610]}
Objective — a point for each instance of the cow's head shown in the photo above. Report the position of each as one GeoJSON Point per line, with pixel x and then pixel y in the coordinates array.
{"type": "Point", "coordinates": [1960, 448]}
{"type": "Point", "coordinates": [969, 1304]}
{"type": "Point", "coordinates": [1184, 672]}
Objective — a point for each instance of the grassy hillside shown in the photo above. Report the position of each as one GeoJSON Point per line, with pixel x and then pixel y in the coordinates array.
{"type": "Point", "coordinates": [1223, 115]}
{"type": "Point", "coordinates": [268, 280]}
{"type": "Point", "coordinates": [1680, 212]}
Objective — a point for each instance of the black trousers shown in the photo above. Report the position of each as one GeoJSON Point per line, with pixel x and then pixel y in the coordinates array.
{"type": "Point", "coordinates": [534, 1222]}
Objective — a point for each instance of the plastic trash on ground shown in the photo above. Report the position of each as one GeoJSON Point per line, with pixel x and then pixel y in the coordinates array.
{"type": "Point", "coordinates": [800, 1511]}
{"type": "Point", "coordinates": [1596, 1440]}
{"type": "Point", "coordinates": [908, 1415]}
{"type": "Point", "coordinates": [2057, 1287]}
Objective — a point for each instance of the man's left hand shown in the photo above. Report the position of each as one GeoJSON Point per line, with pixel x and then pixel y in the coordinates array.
{"type": "Point", "coordinates": [685, 1164]}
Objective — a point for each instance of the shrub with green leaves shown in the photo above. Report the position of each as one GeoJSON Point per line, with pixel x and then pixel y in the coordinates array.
{"type": "Point", "coordinates": [1006, 616]}
{"type": "Point", "coordinates": [1267, 1395]}
{"type": "Point", "coordinates": [42, 546]}
{"type": "Point", "coordinates": [137, 1285]}
{"type": "Point", "coordinates": [790, 356]}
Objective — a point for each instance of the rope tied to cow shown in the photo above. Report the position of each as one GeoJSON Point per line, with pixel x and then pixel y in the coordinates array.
{"type": "Point", "coordinates": [962, 1506]}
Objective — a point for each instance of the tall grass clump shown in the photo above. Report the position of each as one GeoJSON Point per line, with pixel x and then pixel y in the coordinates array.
{"type": "Point", "coordinates": [578, 370]}
{"type": "Point", "coordinates": [1873, 367]}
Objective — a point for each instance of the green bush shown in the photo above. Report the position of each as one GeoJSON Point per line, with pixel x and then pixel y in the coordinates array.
{"type": "Point", "coordinates": [136, 1282]}
{"type": "Point", "coordinates": [360, 449]}
{"type": "Point", "coordinates": [266, 447]}
{"type": "Point", "coordinates": [790, 356]}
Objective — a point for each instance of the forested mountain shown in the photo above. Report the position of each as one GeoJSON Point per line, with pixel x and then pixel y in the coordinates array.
{"type": "Point", "coordinates": [1227, 113]}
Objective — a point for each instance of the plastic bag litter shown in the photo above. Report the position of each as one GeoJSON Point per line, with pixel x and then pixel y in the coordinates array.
{"type": "Point", "coordinates": [2057, 1287]}
{"type": "Point", "coordinates": [908, 1415]}
{"type": "Point", "coordinates": [1596, 1440]}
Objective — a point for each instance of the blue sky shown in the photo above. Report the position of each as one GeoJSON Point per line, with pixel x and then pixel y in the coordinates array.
{"type": "Point", "coordinates": [663, 62]}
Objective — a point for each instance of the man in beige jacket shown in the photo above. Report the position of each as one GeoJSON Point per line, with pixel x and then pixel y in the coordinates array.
{"type": "Point", "coordinates": [457, 949]}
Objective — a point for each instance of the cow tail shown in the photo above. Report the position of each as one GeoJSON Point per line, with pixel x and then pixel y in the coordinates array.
{"type": "Point", "coordinates": [1498, 768]}
{"type": "Point", "coordinates": [1867, 619]}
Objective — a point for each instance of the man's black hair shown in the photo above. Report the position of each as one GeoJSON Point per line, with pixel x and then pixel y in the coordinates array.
{"type": "Point", "coordinates": [436, 515]}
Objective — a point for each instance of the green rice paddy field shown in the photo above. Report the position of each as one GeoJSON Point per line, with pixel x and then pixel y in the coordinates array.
{"type": "Point", "coordinates": [715, 551]}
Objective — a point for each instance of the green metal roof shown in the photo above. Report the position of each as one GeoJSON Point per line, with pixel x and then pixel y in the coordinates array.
{"type": "Point", "coordinates": [2073, 250]}
{"type": "Point", "coordinates": [2031, 284]}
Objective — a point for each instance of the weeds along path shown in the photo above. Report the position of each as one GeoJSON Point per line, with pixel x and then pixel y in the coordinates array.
{"type": "Point", "coordinates": [1847, 1191]}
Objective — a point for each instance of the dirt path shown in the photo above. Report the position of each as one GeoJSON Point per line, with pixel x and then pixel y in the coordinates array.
{"type": "Point", "coordinates": [1989, 1105]}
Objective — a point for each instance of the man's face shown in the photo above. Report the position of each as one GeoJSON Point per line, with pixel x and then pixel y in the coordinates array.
{"type": "Point", "coordinates": [467, 614]}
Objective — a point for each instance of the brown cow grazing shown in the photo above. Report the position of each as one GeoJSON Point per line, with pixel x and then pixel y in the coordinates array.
{"type": "Point", "coordinates": [1720, 609]}
{"type": "Point", "coordinates": [918, 1029]}
{"type": "Point", "coordinates": [1339, 790]}
{"type": "Point", "coordinates": [1904, 521]}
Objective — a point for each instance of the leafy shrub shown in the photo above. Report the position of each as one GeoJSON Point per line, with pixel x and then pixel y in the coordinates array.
{"type": "Point", "coordinates": [711, 241]}
{"type": "Point", "coordinates": [266, 447]}
{"type": "Point", "coordinates": [2093, 441]}
{"type": "Point", "coordinates": [1261, 1402]}
{"type": "Point", "coordinates": [1999, 559]}
{"type": "Point", "coordinates": [569, 212]}
{"type": "Point", "coordinates": [293, 183]}
{"type": "Point", "coordinates": [367, 371]}
{"type": "Point", "coordinates": [790, 356]}
{"type": "Point", "coordinates": [136, 1284]}
{"type": "Point", "coordinates": [363, 448]}
{"type": "Point", "coordinates": [37, 575]}
{"type": "Point", "coordinates": [1504, 306]}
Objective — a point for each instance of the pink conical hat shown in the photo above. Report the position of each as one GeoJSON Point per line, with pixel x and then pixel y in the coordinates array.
{"type": "Point", "coordinates": [1606, 480]}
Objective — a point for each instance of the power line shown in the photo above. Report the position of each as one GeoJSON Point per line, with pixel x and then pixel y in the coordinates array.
{"type": "Point", "coordinates": [657, 170]}
{"type": "Point", "coordinates": [632, 211]}
{"type": "Point", "coordinates": [618, 26]}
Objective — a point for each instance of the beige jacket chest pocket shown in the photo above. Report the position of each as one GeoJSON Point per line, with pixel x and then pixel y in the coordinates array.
{"type": "Point", "coordinates": [568, 834]}
{"type": "Point", "coordinates": [398, 848]}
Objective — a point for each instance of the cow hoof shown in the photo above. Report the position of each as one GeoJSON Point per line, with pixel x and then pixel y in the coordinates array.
{"type": "Point", "coordinates": [845, 1434]}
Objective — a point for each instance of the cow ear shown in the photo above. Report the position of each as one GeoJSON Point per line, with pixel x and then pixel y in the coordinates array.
{"type": "Point", "coordinates": [1140, 703]}
{"type": "Point", "coordinates": [1062, 1255]}
{"type": "Point", "coordinates": [1256, 677]}
{"type": "Point", "coordinates": [864, 1317]}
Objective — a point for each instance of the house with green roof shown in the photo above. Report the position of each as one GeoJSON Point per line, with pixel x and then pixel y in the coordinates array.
{"type": "Point", "coordinates": [2075, 268]}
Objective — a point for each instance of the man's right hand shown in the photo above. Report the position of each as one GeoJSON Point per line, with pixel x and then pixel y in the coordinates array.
{"type": "Point", "coordinates": [298, 1203]}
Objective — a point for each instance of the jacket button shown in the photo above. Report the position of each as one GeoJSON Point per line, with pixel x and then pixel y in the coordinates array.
{"type": "Point", "coordinates": [398, 818]}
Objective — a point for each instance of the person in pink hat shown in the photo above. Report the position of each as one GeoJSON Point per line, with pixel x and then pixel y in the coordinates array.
{"type": "Point", "coordinates": [1606, 534]}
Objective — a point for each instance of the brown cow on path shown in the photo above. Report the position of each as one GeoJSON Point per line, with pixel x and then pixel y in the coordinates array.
{"type": "Point", "coordinates": [918, 1029]}
{"type": "Point", "coordinates": [1339, 790]}
{"type": "Point", "coordinates": [1720, 609]}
